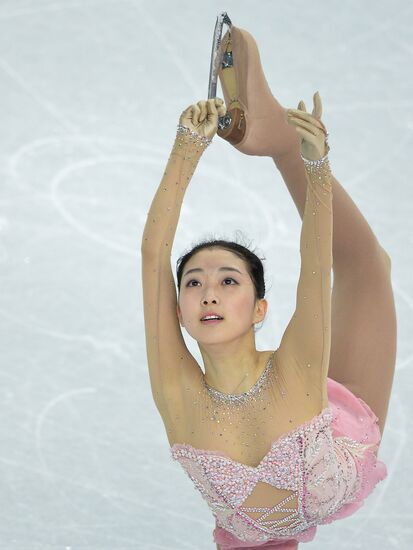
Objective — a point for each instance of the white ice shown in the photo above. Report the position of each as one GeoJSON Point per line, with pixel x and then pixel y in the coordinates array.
{"type": "Point", "coordinates": [91, 93]}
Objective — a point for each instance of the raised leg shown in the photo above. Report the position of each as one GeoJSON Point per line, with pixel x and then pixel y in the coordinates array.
{"type": "Point", "coordinates": [363, 316]}
{"type": "Point", "coordinates": [363, 335]}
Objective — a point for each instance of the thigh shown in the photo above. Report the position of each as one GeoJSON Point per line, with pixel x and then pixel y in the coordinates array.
{"type": "Point", "coordinates": [363, 331]}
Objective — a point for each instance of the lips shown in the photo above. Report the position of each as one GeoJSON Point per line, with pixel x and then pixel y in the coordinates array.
{"type": "Point", "coordinates": [211, 314]}
{"type": "Point", "coordinates": [211, 321]}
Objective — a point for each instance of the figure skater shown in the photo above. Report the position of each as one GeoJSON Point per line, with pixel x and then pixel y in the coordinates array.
{"type": "Point", "coordinates": [276, 441]}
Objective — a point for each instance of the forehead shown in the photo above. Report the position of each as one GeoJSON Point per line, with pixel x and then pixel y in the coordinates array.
{"type": "Point", "coordinates": [214, 257]}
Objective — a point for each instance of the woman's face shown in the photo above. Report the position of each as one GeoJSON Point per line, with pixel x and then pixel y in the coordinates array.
{"type": "Point", "coordinates": [228, 292]}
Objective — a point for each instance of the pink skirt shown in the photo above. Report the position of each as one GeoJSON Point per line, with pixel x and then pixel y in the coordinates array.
{"type": "Point", "coordinates": [352, 417]}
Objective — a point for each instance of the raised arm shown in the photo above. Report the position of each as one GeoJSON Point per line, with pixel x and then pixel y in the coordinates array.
{"type": "Point", "coordinates": [163, 215]}
{"type": "Point", "coordinates": [305, 346]}
{"type": "Point", "coordinates": [169, 361]}
{"type": "Point", "coordinates": [197, 126]}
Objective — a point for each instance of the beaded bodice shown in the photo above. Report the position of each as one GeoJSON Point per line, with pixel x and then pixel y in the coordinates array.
{"type": "Point", "coordinates": [290, 473]}
{"type": "Point", "coordinates": [267, 462]}
{"type": "Point", "coordinates": [305, 477]}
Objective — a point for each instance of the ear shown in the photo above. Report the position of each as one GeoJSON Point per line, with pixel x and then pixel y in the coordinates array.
{"type": "Point", "coordinates": [261, 311]}
{"type": "Point", "coordinates": [179, 315]}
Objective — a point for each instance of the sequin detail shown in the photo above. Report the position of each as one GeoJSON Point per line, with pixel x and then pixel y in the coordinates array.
{"type": "Point", "coordinates": [308, 472]}
{"type": "Point", "coordinates": [201, 140]}
{"type": "Point", "coordinates": [245, 396]}
{"type": "Point", "coordinates": [319, 172]}
{"type": "Point", "coordinates": [320, 472]}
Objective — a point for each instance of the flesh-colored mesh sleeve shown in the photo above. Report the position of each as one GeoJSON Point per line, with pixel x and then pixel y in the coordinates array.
{"type": "Point", "coordinates": [305, 345]}
{"type": "Point", "coordinates": [163, 215]}
{"type": "Point", "coordinates": [168, 357]}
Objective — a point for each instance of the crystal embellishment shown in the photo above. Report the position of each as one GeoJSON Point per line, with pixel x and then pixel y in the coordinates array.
{"type": "Point", "coordinates": [201, 140]}
{"type": "Point", "coordinates": [245, 396]}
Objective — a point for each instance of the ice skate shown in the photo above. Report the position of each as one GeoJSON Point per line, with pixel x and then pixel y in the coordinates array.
{"type": "Point", "coordinates": [261, 127]}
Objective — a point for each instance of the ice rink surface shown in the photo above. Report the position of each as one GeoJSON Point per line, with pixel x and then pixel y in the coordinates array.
{"type": "Point", "coordinates": [91, 93]}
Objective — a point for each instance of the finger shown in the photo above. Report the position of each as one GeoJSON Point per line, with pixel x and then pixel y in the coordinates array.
{"type": "Point", "coordinates": [187, 112]}
{"type": "Point", "coordinates": [203, 109]}
{"type": "Point", "coordinates": [220, 105]}
{"type": "Point", "coordinates": [196, 111]}
{"type": "Point", "coordinates": [186, 116]}
{"type": "Point", "coordinates": [318, 108]}
{"type": "Point", "coordinates": [211, 107]}
{"type": "Point", "coordinates": [306, 136]}
{"type": "Point", "coordinates": [300, 114]}
{"type": "Point", "coordinates": [296, 113]}
{"type": "Point", "coordinates": [305, 125]}
{"type": "Point", "coordinates": [301, 106]}
{"type": "Point", "coordinates": [298, 123]}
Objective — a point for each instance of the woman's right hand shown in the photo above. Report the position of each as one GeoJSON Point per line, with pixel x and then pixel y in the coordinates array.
{"type": "Point", "coordinates": [202, 117]}
{"type": "Point", "coordinates": [310, 128]}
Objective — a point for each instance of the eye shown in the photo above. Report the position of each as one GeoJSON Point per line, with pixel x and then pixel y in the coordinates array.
{"type": "Point", "coordinates": [226, 279]}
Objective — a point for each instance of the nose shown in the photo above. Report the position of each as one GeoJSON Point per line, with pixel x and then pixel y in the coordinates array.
{"type": "Point", "coordinates": [206, 301]}
{"type": "Point", "coordinates": [209, 296]}
{"type": "Point", "coordinates": [209, 300]}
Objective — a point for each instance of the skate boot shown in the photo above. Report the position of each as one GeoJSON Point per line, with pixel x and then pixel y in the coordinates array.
{"type": "Point", "coordinates": [256, 122]}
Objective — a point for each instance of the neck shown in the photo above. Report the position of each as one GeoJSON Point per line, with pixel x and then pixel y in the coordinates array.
{"type": "Point", "coordinates": [233, 369]}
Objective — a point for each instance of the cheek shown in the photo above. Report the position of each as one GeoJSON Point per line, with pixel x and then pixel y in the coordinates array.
{"type": "Point", "coordinates": [185, 303]}
{"type": "Point", "coordinates": [242, 306]}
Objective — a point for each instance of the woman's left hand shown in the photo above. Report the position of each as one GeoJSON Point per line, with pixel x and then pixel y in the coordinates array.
{"type": "Point", "coordinates": [202, 117]}
{"type": "Point", "coordinates": [312, 131]}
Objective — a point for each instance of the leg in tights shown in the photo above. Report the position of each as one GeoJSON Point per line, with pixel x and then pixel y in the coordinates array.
{"type": "Point", "coordinates": [363, 332]}
{"type": "Point", "coordinates": [363, 317]}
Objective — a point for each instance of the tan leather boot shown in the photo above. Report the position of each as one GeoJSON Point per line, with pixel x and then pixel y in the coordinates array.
{"type": "Point", "coordinates": [259, 123]}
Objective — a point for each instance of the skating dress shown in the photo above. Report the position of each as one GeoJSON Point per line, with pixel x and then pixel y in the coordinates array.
{"type": "Point", "coordinates": [298, 448]}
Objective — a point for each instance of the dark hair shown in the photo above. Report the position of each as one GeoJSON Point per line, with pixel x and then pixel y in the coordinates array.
{"type": "Point", "coordinates": [254, 264]}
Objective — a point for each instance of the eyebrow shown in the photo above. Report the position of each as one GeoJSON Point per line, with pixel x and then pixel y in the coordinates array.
{"type": "Point", "coordinates": [220, 269]}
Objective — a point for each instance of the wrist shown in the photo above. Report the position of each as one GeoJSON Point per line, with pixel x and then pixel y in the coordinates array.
{"type": "Point", "coordinates": [316, 153]}
{"type": "Point", "coordinates": [188, 144]}
{"type": "Point", "coordinates": [193, 136]}
{"type": "Point", "coordinates": [315, 162]}
{"type": "Point", "coordinates": [319, 172]}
